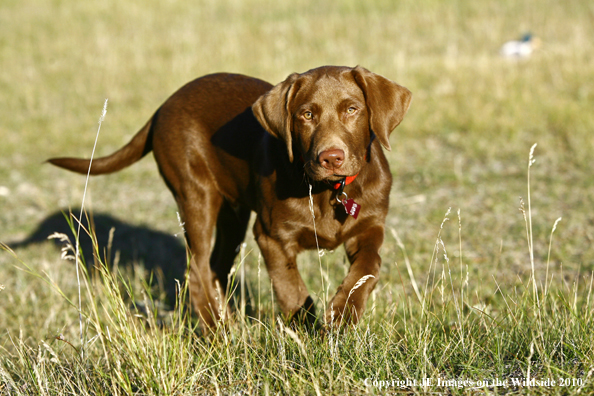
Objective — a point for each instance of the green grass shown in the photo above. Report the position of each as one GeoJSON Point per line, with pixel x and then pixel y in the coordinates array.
{"type": "Point", "coordinates": [464, 145]}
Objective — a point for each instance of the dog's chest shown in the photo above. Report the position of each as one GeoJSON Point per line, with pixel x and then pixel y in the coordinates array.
{"type": "Point", "coordinates": [321, 236]}
{"type": "Point", "coordinates": [325, 225]}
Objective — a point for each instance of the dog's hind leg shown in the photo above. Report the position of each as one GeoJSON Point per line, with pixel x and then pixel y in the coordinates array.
{"type": "Point", "coordinates": [231, 227]}
{"type": "Point", "coordinates": [200, 207]}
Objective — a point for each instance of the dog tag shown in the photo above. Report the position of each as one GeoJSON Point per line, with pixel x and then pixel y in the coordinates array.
{"type": "Point", "coordinates": [352, 208]}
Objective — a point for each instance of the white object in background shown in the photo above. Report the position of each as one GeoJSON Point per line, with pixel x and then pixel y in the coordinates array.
{"type": "Point", "coordinates": [520, 48]}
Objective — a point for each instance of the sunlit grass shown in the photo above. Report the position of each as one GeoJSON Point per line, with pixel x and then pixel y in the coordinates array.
{"type": "Point", "coordinates": [463, 145]}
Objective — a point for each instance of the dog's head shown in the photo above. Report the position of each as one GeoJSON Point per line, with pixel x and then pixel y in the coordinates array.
{"type": "Point", "coordinates": [326, 115]}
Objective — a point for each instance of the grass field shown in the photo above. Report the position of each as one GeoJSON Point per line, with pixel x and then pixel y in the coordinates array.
{"type": "Point", "coordinates": [484, 292]}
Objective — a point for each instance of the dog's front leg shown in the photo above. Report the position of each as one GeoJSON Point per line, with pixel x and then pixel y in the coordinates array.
{"type": "Point", "coordinates": [281, 262]}
{"type": "Point", "coordinates": [348, 304]}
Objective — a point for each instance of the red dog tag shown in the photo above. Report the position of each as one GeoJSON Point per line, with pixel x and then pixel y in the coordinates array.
{"type": "Point", "coordinates": [352, 208]}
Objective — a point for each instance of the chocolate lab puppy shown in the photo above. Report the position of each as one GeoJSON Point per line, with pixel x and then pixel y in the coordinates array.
{"type": "Point", "coordinates": [227, 145]}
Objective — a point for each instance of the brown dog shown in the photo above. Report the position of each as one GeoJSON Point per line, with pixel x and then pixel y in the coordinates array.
{"type": "Point", "coordinates": [228, 144]}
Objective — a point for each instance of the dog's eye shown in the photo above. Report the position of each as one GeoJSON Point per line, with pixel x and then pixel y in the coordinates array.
{"type": "Point", "coordinates": [351, 110]}
{"type": "Point", "coordinates": [308, 115]}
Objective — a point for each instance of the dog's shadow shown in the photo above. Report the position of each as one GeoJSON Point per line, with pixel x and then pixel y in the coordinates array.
{"type": "Point", "coordinates": [160, 253]}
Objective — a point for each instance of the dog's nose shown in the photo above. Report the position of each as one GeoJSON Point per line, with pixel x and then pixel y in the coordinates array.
{"type": "Point", "coordinates": [331, 159]}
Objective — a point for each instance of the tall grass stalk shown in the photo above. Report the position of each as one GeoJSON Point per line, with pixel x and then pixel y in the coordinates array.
{"type": "Point", "coordinates": [531, 161]}
{"type": "Point", "coordinates": [409, 270]}
{"type": "Point", "coordinates": [549, 258]}
{"type": "Point", "coordinates": [78, 262]}
{"type": "Point", "coordinates": [320, 253]}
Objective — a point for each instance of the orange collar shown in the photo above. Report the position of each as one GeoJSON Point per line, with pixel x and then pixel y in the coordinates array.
{"type": "Point", "coordinates": [345, 182]}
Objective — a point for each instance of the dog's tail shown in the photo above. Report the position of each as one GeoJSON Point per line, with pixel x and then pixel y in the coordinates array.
{"type": "Point", "coordinates": [140, 145]}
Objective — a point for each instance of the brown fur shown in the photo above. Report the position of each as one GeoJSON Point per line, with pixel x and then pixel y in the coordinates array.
{"type": "Point", "coordinates": [228, 144]}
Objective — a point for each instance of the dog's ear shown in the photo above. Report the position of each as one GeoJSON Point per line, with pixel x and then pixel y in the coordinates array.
{"type": "Point", "coordinates": [387, 103]}
{"type": "Point", "coordinates": [273, 112]}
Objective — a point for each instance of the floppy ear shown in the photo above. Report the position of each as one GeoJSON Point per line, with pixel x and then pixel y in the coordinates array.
{"type": "Point", "coordinates": [272, 111]}
{"type": "Point", "coordinates": [387, 103]}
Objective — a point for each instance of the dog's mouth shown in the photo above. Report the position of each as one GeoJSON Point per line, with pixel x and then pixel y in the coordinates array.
{"type": "Point", "coordinates": [338, 177]}
{"type": "Point", "coordinates": [318, 173]}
